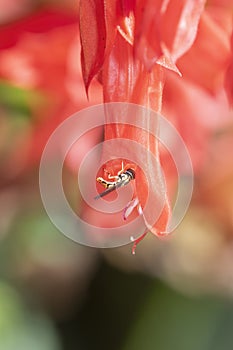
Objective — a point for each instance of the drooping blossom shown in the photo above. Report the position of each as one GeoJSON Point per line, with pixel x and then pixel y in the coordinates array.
{"type": "Point", "coordinates": [130, 45]}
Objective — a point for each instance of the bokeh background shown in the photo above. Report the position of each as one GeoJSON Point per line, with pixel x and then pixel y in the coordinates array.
{"type": "Point", "coordinates": [58, 295]}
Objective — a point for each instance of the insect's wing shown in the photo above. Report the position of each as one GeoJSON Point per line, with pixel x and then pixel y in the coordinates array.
{"type": "Point", "coordinates": [107, 191]}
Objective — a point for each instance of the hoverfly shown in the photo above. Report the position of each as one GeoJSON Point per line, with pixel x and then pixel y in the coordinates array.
{"type": "Point", "coordinates": [122, 179]}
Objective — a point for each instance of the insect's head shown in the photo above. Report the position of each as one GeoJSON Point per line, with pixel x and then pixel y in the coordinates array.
{"type": "Point", "coordinates": [131, 173]}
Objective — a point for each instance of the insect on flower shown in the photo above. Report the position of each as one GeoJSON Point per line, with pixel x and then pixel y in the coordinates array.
{"type": "Point", "coordinates": [121, 179]}
{"type": "Point", "coordinates": [133, 44]}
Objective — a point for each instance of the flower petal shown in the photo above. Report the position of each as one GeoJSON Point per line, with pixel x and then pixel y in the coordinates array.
{"type": "Point", "coordinates": [209, 71]}
{"type": "Point", "coordinates": [93, 38]}
{"type": "Point", "coordinates": [126, 80]}
{"type": "Point", "coordinates": [179, 25]}
{"type": "Point", "coordinates": [165, 30]}
{"type": "Point", "coordinates": [126, 20]}
{"type": "Point", "coordinates": [130, 207]}
{"type": "Point", "coordinates": [147, 43]}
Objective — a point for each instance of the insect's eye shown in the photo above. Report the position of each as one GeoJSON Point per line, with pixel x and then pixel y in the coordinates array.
{"type": "Point", "coordinates": [131, 173]}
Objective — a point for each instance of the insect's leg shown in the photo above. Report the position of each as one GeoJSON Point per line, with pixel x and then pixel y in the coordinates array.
{"type": "Point", "coordinates": [105, 183]}
{"type": "Point", "coordinates": [101, 181]}
{"type": "Point", "coordinates": [122, 168]}
{"type": "Point", "coordinates": [115, 177]}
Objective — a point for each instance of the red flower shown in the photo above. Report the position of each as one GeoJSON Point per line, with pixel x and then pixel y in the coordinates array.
{"type": "Point", "coordinates": [129, 44]}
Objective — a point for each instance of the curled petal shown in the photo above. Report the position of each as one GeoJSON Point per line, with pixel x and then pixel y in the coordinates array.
{"type": "Point", "coordinates": [165, 30]}
{"type": "Point", "coordinates": [179, 25]}
{"type": "Point", "coordinates": [207, 73]}
{"type": "Point", "coordinates": [167, 62]}
{"type": "Point", "coordinates": [126, 20]}
{"type": "Point", "coordinates": [136, 241]}
{"type": "Point", "coordinates": [130, 207]}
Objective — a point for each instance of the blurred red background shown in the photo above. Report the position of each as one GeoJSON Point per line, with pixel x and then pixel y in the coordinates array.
{"type": "Point", "coordinates": [56, 294]}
